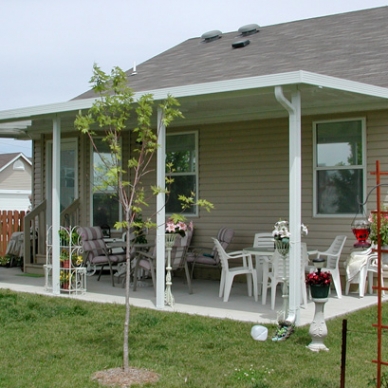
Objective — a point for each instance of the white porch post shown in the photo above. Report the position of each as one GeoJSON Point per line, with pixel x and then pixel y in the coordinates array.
{"type": "Point", "coordinates": [160, 216]}
{"type": "Point", "coordinates": [56, 160]}
{"type": "Point", "coordinates": [295, 199]}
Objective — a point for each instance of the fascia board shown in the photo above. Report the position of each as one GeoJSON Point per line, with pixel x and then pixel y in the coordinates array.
{"type": "Point", "coordinates": [343, 85]}
{"type": "Point", "coordinates": [259, 82]}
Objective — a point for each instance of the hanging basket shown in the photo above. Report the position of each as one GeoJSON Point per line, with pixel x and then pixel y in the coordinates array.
{"type": "Point", "coordinates": [319, 291]}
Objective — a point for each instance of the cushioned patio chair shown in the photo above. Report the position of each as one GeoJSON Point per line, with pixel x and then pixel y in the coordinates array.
{"type": "Point", "coordinates": [96, 252]}
{"type": "Point", "coordinates": [147, 261]}
{"type": "Point", "coordinates": [199, 257]}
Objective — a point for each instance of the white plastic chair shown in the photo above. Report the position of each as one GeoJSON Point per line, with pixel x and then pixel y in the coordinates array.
{"type": "Point", "coordinates": [228, 273]}
{"type": "Point", "coordinates": [262, 240]}
{"type": "Point", "coordinates": [333, 255]}
{"type": "Point", "coordinates": [356, 270]}
{"type": "Point", "coordinates": [280, 270]}
{"type": "Point", "coordinates": [371, 269]}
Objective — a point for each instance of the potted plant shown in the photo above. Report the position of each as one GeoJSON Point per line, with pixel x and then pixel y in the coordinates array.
{"type": "Point", "coordinates": [64, 278]}
{"type": "Point", "coordinates": [281, 236]}
{"type": "Point", "coordinates": [319, 283]}
{"type": "Point", "coordinates": [68, 235]}
{"type": "Point", "coordinates": [64, 258]}
{"type": "Point", "coordinates": [374, 236]}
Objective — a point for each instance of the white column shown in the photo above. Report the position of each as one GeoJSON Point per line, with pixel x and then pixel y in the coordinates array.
{"type": "Point", "coordinates": [295, 198]}
{"type": "Point", "coordinates": [160, 216]}
{"type": "Point", "coordinates": [295, 208]}
{"type": "Point", "coordinates": [56, 189]}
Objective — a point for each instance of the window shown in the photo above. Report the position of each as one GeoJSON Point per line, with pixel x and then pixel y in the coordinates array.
{"type": "Point", "coordinates": [181, 152]}
{"type": "Point", "coordinates": [339, 164]}
{"type": "Point", "coordinates": [105, 205]}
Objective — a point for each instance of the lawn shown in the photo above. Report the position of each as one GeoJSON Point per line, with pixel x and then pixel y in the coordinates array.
{"type": "Point", "coordinates": [51, 342]}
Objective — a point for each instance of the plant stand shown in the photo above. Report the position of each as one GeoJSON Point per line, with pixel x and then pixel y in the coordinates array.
{"type": "Point", "coordinates": [72, 277]}
{"type": "Point", "coordinates": [283, 248]}
{"type": "Point", "coordinates": [168, 297]}
{"type": "Point", "coordinates": [318, 328]}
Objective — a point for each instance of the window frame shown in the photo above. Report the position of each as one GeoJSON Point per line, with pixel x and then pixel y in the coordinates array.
{"type": "Point", "coordinates": [195, 173]}
{"type": "Point", "coordinates": [317, 168]}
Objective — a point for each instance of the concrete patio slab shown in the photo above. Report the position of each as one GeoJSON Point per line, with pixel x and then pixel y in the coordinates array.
{"type": "Point", "coordinates": [204, 301]}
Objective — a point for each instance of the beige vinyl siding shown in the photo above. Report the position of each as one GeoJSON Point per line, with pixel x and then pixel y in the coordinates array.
{"type": "Point", "coordinates": [11, 179]}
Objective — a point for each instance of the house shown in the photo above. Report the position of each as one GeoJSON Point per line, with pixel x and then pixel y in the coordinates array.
{"type": "Point", "coordinates": [15, 181]}
{"type": "Point", "coordinates": [282, 121]}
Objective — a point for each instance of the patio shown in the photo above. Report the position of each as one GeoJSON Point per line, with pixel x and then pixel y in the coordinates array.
{"type": "Point", "coordinates": [204, 300]}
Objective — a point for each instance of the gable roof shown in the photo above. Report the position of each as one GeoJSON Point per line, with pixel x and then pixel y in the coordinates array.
{"type": "Point", "coordinates": [7, 159]}
{"type": "Point", "coordinates": [352, 46]}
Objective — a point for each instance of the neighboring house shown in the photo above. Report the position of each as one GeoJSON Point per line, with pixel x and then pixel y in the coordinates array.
{"type": "Point", "coordinates": [15, 182]}
{"type": "Point", "coordinates": [282, 121]}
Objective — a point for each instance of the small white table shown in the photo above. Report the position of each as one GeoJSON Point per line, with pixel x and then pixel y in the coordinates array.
{"type": "Point", "coordinates": [263, 258]}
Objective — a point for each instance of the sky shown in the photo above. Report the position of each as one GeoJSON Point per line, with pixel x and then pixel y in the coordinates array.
{"type": "Point", "coordinates": [48, 47]}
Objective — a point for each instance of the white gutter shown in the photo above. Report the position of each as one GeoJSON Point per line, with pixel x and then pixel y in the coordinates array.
{"type": "Point", "coordinates": [295, 198]}
{"type": "Point", "coordinates": [266, 81]}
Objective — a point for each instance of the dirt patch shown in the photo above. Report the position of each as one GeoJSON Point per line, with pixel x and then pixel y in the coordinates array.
{"type": "Point", "coordinates": [117, 377]}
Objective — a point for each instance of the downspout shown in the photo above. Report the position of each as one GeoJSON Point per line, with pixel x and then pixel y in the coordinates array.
{"type": "Point", "coordinates": [295, 198]}
{"type": "Point", "coordinates": [160, 208]}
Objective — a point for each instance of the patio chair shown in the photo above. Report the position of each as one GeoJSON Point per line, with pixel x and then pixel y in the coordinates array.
{"type": "Point", "coordinates": [279, 271]}
{"type": "Point", "coordinates": [333, 255]}
{"type": "Point", "coordinates": [198, 257]}
{"type": "Point", "coordinates": [147, 261]}
{"type": "Point", "coordinates": [228, 273]}
{"type": "Point", "coordinates": [262, 240]}
{"type": "Point", "coordinates": [356, 270]}
{"type": "Point", "coordinates": [96, 253]}
{"type": "Point", "coordinates": [371, 269]}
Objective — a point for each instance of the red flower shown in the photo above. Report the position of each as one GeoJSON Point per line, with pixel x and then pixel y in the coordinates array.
{"type": "Point", "coordinates": [318, 278]}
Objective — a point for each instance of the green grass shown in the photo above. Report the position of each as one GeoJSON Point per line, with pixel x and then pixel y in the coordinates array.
{"type": "Point", "coordinates": [51, 342]}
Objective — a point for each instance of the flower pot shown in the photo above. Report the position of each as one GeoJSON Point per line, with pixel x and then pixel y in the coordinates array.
{"type": "Point", "coordinates": [319, 291]}
{"type": "Point", "coordinates": [66, 263]}
{"type": "Point", "coordinates": [66, 285]}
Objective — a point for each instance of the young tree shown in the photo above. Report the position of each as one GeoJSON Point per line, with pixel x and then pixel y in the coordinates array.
{"type": "Point", "coordinates": [110, 114]}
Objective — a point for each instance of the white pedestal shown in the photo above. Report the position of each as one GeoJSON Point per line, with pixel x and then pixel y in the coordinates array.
{"type": "Point", "coordinates": [318, 328]}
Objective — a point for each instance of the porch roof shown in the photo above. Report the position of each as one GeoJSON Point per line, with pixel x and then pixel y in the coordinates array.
{"type": "Point", "coordinates": [234, 100]}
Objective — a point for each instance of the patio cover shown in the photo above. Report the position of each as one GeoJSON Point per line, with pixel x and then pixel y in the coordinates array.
{"type": "Point", "coordinates": [293, 94]}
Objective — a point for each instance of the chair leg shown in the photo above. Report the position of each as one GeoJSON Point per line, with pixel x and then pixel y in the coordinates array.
{"type": "Point", "coordinates": [222, 285]}
{"type": "Point", "coordinates": [362, 282]}
{"type": "Point", "coordinates": [187, 271]}
{"type": "Point", "coordinates": [337, 283]}
{"type": "Point", "coordinates": [255, 286]}
{"type": "Point", "coordinates": [228, 286]}
{"type": "Point", "coordinates": [249, 284]}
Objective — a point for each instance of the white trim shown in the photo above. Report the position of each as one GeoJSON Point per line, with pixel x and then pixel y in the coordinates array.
{"type": "Point", "coordinates": [20, 155]}
{"type": "Point", "coordinates": [265, 81]}
{"type": "Point", "coordinates": [4, 191]}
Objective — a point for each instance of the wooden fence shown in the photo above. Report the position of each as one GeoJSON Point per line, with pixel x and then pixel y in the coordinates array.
{"type": "Point", "coordinates": [10, 221]}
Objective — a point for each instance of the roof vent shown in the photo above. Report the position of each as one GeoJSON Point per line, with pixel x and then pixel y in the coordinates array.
{"type": "Point", "coordinates": [249, 29]}
{"type": "Point", "coordinates": [240, 43]}
{"type": "Point", "coordinates": [211, 35]}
